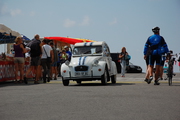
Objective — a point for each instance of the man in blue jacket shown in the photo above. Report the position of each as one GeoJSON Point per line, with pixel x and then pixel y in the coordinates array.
{"type": "Point", "coordinates": [157, 46]}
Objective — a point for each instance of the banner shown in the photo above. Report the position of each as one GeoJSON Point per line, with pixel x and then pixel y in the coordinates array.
{"type": "Point", "coordinates": [7, 70]}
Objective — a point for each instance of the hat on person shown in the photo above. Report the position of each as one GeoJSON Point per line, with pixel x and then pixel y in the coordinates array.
{"type": "Point", "coordinates": [65, 47]}
{"type": "Point", "coordinates": [155, 29]}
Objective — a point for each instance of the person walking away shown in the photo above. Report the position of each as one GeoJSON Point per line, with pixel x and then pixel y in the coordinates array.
{"type": "Point", "coordinates": [171, 57]}
{"type": "Point", "coordinates": [147, 77]}
{"type": "Point", "coordinates": [122, 57]}
{"type": "Point", "coordinates": [155, 42]}
{"type": "Point", "coordinates": [35, 55]}
{"type": "Point", "coordinates": [68, 52]}
{"type": "Point", "coordinates": [19, 59]}
{"type": "Point", "coordinates": [46, 52]}
{"type": "Point", "coordinates": [54, 64]}
{"type": "Point", "coordinates": [162, 66]}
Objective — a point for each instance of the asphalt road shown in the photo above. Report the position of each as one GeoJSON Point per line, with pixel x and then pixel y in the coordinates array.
{"type": "Point", "coordinates": [130, 99]}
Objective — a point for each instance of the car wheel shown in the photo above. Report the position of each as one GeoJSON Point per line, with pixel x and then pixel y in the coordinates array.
{"type": "Point", "coordinates": [113, 79]}
{"type": "Point", "coordinates": [78, 81]}
{"type": "Point", "coordinates": [65, 82]}
{"type": "Point", "coordinates": [104, 77]}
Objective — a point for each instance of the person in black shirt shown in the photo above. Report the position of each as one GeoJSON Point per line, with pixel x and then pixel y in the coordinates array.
{"type": "Point", "coordinates": [35, 54]}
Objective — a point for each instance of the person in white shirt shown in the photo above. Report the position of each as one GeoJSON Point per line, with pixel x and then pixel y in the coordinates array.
{"type": "Point", "coordinates": [27, 55]}
{"type": "Point", "coordinates": [46, 52]}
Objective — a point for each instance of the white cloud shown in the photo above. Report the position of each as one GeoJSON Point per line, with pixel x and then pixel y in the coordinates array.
{"type": "Point", "coordinates": [86, 21]}
{"type": "Point", "coordinates": [69, 23]}
{"type": "Point", "coordinates": [15, 12]}
{"type": "Point", "coordinates": [4, 10]}
{"type": "Point", "coordinates": [113, 22]}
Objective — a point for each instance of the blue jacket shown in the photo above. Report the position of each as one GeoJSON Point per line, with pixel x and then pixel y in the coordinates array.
{"type": "Point", "coordinates": [155, 45]}
{"type": "Point", "coordinates": [69, 55]}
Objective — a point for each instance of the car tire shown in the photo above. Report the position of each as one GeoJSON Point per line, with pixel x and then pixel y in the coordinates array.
{"type": "Point", "coordinates": [104, 77]}
{"type": "Point", "coordinates": [65, 82]}
{"type": "Point", "coordinates": [113, 79]}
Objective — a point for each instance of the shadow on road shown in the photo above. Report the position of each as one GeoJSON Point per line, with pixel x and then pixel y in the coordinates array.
{"type": "Point", "coordinates": [12, 83]}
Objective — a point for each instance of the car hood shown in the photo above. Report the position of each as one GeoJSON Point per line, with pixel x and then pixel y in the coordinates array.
{"type": "Point", "coordinates": [84, 60]}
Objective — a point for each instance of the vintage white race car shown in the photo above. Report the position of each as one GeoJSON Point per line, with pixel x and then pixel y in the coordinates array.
{"type": "Point", "coordinates": [89, 61]}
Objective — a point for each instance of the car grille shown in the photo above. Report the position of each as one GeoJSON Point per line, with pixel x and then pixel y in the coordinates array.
{"type": "Point", "coordinates": [81, 68]}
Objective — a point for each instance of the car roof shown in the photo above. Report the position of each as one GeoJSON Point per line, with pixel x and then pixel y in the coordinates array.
{"type": "Point", "coordinates": [90, 43]}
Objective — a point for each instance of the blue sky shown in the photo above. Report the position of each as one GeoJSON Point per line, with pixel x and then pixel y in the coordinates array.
{"type": "Point", "coordinates": [120, 23]}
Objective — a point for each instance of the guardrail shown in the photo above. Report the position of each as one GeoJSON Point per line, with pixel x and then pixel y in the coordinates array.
{"type": "Point", "coordinates": [7, 70]}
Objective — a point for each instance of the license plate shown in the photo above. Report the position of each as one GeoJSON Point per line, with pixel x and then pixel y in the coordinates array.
{"type": "Point", "coordinates": [81, 73]}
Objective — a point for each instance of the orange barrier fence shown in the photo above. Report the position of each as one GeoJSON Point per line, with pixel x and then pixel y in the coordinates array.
{"type": "Point", "coordinates": [7, 70]}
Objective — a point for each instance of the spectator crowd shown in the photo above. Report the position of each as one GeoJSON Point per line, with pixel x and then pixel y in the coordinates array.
{"type": "Point", "coordinates": [44, 58]}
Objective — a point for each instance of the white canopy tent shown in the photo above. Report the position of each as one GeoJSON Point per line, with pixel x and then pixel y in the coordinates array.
{"type": "Point", "coordinates": [8, 32]}
{"type": "Point", "coordinates": [6, 29]}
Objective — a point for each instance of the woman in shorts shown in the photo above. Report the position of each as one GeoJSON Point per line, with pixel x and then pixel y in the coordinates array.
{"type": "Point", "coordinates": [19, 59]}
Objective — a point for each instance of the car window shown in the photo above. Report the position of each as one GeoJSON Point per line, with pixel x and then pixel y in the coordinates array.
{"type": "Point", "coordinates": [87, 50]}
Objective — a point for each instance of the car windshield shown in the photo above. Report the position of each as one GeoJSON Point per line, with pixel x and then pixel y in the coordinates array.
{"type": "Point", "coordinates": [87, 50]}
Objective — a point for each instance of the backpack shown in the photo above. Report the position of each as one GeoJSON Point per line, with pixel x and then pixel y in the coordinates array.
{"type": "Point", "coordinates": [127, 57]}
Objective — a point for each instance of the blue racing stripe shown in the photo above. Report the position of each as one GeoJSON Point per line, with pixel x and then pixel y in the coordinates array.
{"type": "Point", "coordinates": [80, 60]}
{"type": "Point", "coordinates": [84, 60]}
{"type": "Point", "coordinates": [91, 43]}
{"type": "Point", "coordinates": [85, 44]}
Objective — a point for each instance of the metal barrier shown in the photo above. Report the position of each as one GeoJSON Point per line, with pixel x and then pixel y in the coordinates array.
{"type": "Point", "coordinates": [7, 70]}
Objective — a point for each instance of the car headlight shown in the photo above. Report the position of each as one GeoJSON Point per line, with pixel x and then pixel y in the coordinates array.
{"type": "Point", "coordinates": [96, 62]}
{"type": "Point", "coordinates": [67, 62]}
